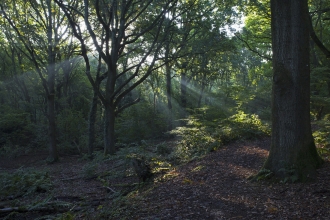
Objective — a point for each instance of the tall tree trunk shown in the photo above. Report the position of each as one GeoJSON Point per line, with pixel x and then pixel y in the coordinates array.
{"type": "Point", "coordinates": [109, 130]}
{"type": "Point", "coordinates": [53, 154]}
{"type": "Point", "coordinates": [293, 153]}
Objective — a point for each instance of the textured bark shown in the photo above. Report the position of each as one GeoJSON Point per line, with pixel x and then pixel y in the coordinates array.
{"type": "Point", "coordinates": [109, 130]}
{"type": "Point", "coordinates": [91, 124]}
{"type": "Point", "coordinates": [53, 154]}
{"type": "Point", "coordinates": [201, 91]}
{"type": "Point", "coordinates": [292, 150]}
{"type": "Point", "coordinates": [169, 96]}
{"type": "Point", "coordinates": [183, 85]}
{"type": "Point", "coordinates": [169, 90]}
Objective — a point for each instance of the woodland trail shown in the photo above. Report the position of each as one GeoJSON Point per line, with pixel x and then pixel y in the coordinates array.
{"type": "Point", "coordinates": [216, 187]}
{"type": "Point", "coordinates": [213, 187]}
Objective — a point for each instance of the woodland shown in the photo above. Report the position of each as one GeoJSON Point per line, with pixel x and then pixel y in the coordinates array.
{"type": "Point", "coordinates": [164, 109]}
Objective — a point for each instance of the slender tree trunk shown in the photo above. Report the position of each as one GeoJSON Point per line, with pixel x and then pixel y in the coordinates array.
{"type": "Point", "coordinates": [91, 125]}
{"type": "Point", "coordinates": [293, 151]}
{"type": "Point", "coordinates": [169, 95]}
{"type": "Point", "coordinates": [315, 61]}
{"type": "Point", "coordinates": [53, 154]}
{"type": "Point", "coordinates": [183, 85]}
{"type": "Point", "coordinates": [155, 102]}
{"type": "Point", "coordinates": [21, 84]}
{"type": "Point", "coordinates": [201, 93]}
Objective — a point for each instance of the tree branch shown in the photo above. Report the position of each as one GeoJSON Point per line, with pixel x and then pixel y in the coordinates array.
{"type": "Point", "coordinates": [317, 41]}
{"type": "Point", "coordinates": [251, 49]}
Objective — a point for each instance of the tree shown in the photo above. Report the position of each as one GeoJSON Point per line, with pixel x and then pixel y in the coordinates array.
{"type": "Point", "coordinates": [293, 152]}
{"type": "Point", "coordinates": [130, 27]}
{"type": "Point", "coordinates": [37, 30]}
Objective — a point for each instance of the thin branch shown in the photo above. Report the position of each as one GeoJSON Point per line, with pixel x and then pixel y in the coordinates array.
{"type": "Point", "coordinates": [317, 41]}
{"type": "Point", "coordinates": [127, 105]}
{"type": "Point", "coordinates": [251, 49]}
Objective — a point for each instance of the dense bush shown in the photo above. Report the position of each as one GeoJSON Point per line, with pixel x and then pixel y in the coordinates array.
{"type": "Point", "coordinates": [322, 136]}
{"type": "Point", "coordinates": [23, 182]}
{"type": "Point", "coordinates": [15, 127]}
{"type": "Point", "coordinates": [140, 122]}
{"type": "Point", "coordinates": [241, 126]}
{"type": "Point", "coordinates": [202, 136]}
{"type": "Point", "coordinates": [72, 130]}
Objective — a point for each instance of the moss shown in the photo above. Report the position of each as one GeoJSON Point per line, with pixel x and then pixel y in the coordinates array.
{"type": "Point", "coordinates": [307, 163]}
{"type": "Point", "coordinates": [302, 169]}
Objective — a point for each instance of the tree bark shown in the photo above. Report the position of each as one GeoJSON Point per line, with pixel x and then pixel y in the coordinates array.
{"type": "Point", "coordinates": [293, 152]}
{"type": "Point", "coordinates": [109, 130]}
{"type": "Point", "coordinates": [169, 96]}
{"type": "Point", "coordinates": [91, 125]}
{"type": "Point", "coordinates": [183, 85]}
{"type": "Point", "coordinates": [168, 87]}
{"type": "Point", "coordinates": [53, 154]}
{"type": "Point", "coordinates": [201, 91]}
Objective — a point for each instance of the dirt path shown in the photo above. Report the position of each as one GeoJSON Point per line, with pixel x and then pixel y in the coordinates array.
{"type": "Point", "coordinates": [214, 187]}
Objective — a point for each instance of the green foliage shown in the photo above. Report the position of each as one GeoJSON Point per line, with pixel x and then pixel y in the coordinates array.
{"type": "Point", "coordinates": [72, 130]}
{"type": "Point", "coordinates": [263, 174]}
{"type": "Point", "coordinates": [322, 136]}
{"type": "Point", "coordinates": [9, 150]}
{"type": "Point", "coordinates": [140, 122]}
{"type": "Point", "coordinates": [66, 216]}
{"type": "Point", "coordinates": [24, 182]}
{"type": "Point", "coordinates": [15, 127]}
{"type": "Point", "coordinates": [41, 139]}
{"type": "Point", "coordinates": [163, 149]}
{"type": "Point", "coordinates": [290, 175]}
{"type": "Point", "coordinates": [89, 170]}
{"type": "Point", "coordinates": [121, 208]}
{"type": "Point", "coordinates": [320, 101]}
{"type": "Point", "coordinates": [202, 136]}
{"type": "Point", "coordinates": [208, 114]}
{"type": "Point", "coordinates": [242, 126]}
{"type": "Point", "coordinates": [195, 143]}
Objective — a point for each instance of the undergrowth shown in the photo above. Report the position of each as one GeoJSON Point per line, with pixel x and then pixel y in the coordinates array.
{"type": "Point", "coordinates": [322, 137]}
{"type": "Point", "coordinates": [205, 131]}
{"type": "Point", "coordinates": [201, 136]}
{"type": "Point", "coordinates": [24, 182]}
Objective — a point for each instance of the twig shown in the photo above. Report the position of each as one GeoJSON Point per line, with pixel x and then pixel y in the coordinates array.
{"type": "Point", "coordinates": [73, 178]}
{"type": "Point", "coordinates": [253, 50]}
{"type": "Point", "coordinates": [111, 189]}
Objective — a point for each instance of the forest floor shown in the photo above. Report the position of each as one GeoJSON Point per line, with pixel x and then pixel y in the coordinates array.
{"type": "Point", "coordinates": [213, 187]}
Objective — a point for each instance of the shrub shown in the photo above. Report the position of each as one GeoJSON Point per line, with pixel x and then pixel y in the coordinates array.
{"type": "Point", "coordinates": [195, 143]}
{"type": "Point", "coordinates": [71, 127]}
{"type": "Point", "coordinates": [322, 136]}
{"type": "Point", "coordinates": [24, 182]}
{"type": "Point", "coordinates": [241, 126]}
{"type": "Point", "coordinates": [140, 122]}
{"type": "Point", "coordinates": [202, 136]}
{"type": "Point", "coordinates": [15, 128]}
